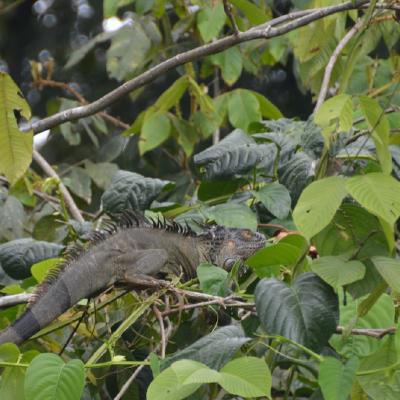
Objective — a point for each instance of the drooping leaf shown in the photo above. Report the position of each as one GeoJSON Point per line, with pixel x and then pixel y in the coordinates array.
{"type": "Point", "coordinates": [212, 279]}
{"type": "Point", "coordinates": [49, 378]}
{"type": "Point", "coordinates": [155, 130]}
{"type": "Point", "coordinates": [12, 384]}
{"type": "Point", "coordinates": [131, 190]}
{"type": "Point", "coordinates": [306, 311]}
{"type": "Point", "coordinates": [101, 173]}
{"type": "Point", "coordinates": [379, 126]}
{"type": "Point", "coordinates": [243, 108]}
{"type": "Point", "coordinates": [231, 64]}
{"type": "Point", "coordinates": [12, 217]}
{"type": "Point", "coordinates": [233, 215]}
{"type": "Point", "coordinates": [40, 270]}
{"type": "Point", "coordinates": [15, 145]}
{"type": "Point", "coordinates": [318, 204]}
{"type": "Point", "coordinates": [336, 379]}
{"type": "Point", "coordinates": [214, 349]}
{"type": "Point", "coordinates": [378, 193]}
{"type": "Point", "coordinates": [337, 271]}
{"type": "Point", "coordinates": [256, 15]}
{"type": "Point", "coordinates": [210, 21]}
{"type": "Point", "coordinates": [78, 180]}
{"type": "Point", "coordinates": [275, 198]}
{"type": "Point", "coordinates": [389, 268]}
{"type": "Point", "coordinates": [17, 256]}
{"type": "Point", "coordinates": [267, 108]}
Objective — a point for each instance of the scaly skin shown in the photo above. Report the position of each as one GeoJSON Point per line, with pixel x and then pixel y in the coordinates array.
{"type": "Point", "coordinates": [134, 250]}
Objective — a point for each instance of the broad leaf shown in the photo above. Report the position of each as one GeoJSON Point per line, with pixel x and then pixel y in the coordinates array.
{"type": "Point", "coordinates": [233, 215]}
{"type": "Point", "coordinates": [15, 145]}
{"type": "Point", "coordinates": [79, 182]}
{"type": "Point", "coordinates": [231, 64]}
{"type": "Point", "coordinates": [131, 190]}
{"type": "Point", "coordinates": [155, 130]}
{"type": "Point", "coordinates": [243, 108]}
{"type": "Point", "coordinates": [17, 256]}
{"type": "Point", "coordinates": [378, 193]}
{"type": "Point", "coordinates": [389, 268]}
{"type": "Point", "coordinates": [336, 379]}
{"type": "Point", "coordinates": [41, 269]}
{"type": "Point", "coordinates": [275, 198]}
{"type": "Point", "coordinates": [318, 204]}
{"type": "Point", "coordinates": [267, 108]}
{"type": "Point", "coordinates": [337, 271]}
{"type": "Point", "coordinates": [306, 311]}
{"type": "Point", "coordinates": [214, 349]}
{"type": "Point", "coordinates": [379, 127]}
{"type": "Point", "coordinates": [212, 279]}
{"type": "Point", "coordinates": [210, 21]}
{"type": "Point", "coordinates": [49, 378]}
{"type": "Point", "coordinates": [12, 384]}
{"type": "Point", "coordinates": [101, 173]}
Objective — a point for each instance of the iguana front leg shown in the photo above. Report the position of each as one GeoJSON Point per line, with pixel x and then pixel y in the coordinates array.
{"type": "Point", "coordinates": [141, 266]}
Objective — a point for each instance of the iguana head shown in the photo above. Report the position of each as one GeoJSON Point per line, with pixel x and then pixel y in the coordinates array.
{"type": "Point", "coordinates": [225, 246]}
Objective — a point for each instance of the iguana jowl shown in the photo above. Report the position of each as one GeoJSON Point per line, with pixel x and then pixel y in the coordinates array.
{"type": "Point", "coordinates": [132, 250]}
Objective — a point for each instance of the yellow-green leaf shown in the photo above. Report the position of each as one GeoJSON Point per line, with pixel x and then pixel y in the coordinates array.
{"type": "Point", "coordinates": [15, 145]}
{"type": "Point", "coordinates": [155, 130]}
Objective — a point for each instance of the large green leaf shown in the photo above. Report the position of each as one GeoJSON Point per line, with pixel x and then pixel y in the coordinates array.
{"type": "Point", "coordinates": [212, 279]}
{"type": "Point", "coordinates": [378, 193]}
{"type": "Point", "coordinates": [78, 180]}
{"type": "Point", "coordinates": [231, 64]}
{"type": "Point", "coordinates": [318, 204]}
{"type": "Point", "coordinates": [267, 108]}
{"type": "Point", "coordinates": [306, 311]}
{"type": "Point", "coordinates": [210, 21]}
{"type": "Point", "coordinates": [49, 378]}
{"type": "Point", "coordinates": [337, 379]}
{"type": "Point", "coordinates": [15, 145]}
{"type": "Point", "coordinates": [155, 130]}
{"type": "Point", "coordinates": [128, 51]}
{"type": "Point", "coordinates": [12, 384]}
{"type": "Point", "coordinates": [381, 315]}
{"type": "Point", "coordinates": [214, 349]}
{"type": "Point", "coordinates": [101, 173]}
{"type": "Point", "coordinates": [389, 268]}
{"type": "Point", "coordinates": [243, 108]}
{"type": "Point", "coordinates": [17, 256]}
{"type": "Point", "coordinates": [379, 127]}
{"type": "Point", "coordinates": [275, 198]}
{"type": "Point", "coordinates": [131, 190]}
{"type": "Point", "coordinates": [337, 271]}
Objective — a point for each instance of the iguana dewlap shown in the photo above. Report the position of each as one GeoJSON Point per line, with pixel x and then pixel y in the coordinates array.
{"type": "Point", "coordinates": [126, 252]}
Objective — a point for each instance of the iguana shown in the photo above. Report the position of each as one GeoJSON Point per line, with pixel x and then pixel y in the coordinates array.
{"type": "Point", "coordinates": [129, 251]}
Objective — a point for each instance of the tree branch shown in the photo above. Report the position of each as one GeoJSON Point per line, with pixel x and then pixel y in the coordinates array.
{"type": "Point", "coordinates": [14, 299]}
{"type": "Point", "coordinates": [69, 201]}
{"type": "Point", "coordinates": [264, 31]}
{"type": "Point", "coordinates": [228, 12]}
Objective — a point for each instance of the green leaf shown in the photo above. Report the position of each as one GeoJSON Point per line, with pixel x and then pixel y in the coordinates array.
{"type": "Point", "coordinates": [231, 64]}
{"type": "Point", "coordinates": [246, 377]}
{"type": "Point", "coordinates": [40, 270]}
{"type": "Point", "coordinates": [335, 114]}
{"type": "Point", "coordinates": [233, 215]}
{"type": "Point", "coordinates": [267, 108]}
{"type": "Point", "coordinates": [155, 130]}
{"type": "Point", "coordinates": [129, 190]}
{"type": "Point", "coordinates": [9, 352]}
{"type": "Point", "coordinates": [213, 280]}
{"type": "Point", "coordinates": [169, 384]}
{"type": "Point", "coordinates": [243, 108]}
{"type": "Point", "coordinates": [172, 95]}
{"type": "Point", "coordinates": [389, 268]}
{"type": "Point", "coordinates": [379, 127]}
{"type": "Point", "coordinates": [276, 198]}
{"type": "Point", "coordinates": [79, 182]}
{"type": "Point", "coordinates": [49, 378]}
{"type": "Point", "coordinates": [12, 384]}
{"type": "Point", "coordinates": [306, 311]}
{"type": "Point", "coordinates": [337, 271]}
{"type": "Point", "coordinates": [318, 204]}
{"type": "Point", "coordinates": [336, 379]}
{"type": "Point", "coordinates": [210, 21]}
{"type": "Point", "coordinates": [15, 145]}
{"type": "Point", "coordinates": [101, 173]}
{"type": "Point", "coordinates": [380, 315]}
{"type": "Point", "coordinates": [255, 15]}
{"type": "Point", "coordinates": [128, 51]}
{"type": "Point", "coordinates": [214, 349]}
{"type": "Point", "coordinates": [378, 193]}
{"type": "Point", "coordinates": [17, 256]}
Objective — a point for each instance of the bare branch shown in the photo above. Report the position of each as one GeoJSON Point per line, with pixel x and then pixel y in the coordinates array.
{"type": "Point", "coordinates": [332, 61]}
{"type": "Point", "coordinates": [14, 299]}
{"type": "Point", "coordinates": [228, 12]}
{"type": "Point", "coordinates": [377, 333]}
{"type": "Point", "coordinates": [128, 383]}
{"type": "Point", "coordinates": [265, 31]}
{"type": "Point", "coordinates": [163, 344]}
{"type": "Point", "coordinates": [69, 201]}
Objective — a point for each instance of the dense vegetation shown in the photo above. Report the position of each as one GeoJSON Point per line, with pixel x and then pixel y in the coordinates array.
{"type": "Point", "coordinates": [285, 124]}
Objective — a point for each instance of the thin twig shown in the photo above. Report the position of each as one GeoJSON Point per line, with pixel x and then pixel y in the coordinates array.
{"type": "Point", "coordinates": [264, 32]}
{"type": "Point", "coordinates": [160, 320]}
{"type": "Point", "coordinates": [228, 12]}
{"type": "Point", "coordinates": [14, 299]}
{"type": "Point", "coordinates": [69, 201]}
{"type": "Point", "coordinates": [128, 383]}
{"type": "Point", "coordinates": [332, 61]}
{"type": "Point", "coordinates": [377, 333]}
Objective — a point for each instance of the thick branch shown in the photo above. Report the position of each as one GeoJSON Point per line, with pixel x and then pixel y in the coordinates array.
{"type": "Point", "coordinates": [14, 299]}
{"type": "Point", "coordinates": [69, 201]}
{"type": "Point", "coordinates": [265, 31]}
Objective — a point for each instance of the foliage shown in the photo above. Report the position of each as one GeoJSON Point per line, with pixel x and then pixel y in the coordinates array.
{"type": "Point", "coordinates": [211, 142]}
